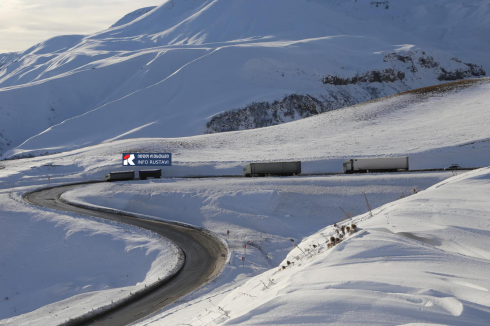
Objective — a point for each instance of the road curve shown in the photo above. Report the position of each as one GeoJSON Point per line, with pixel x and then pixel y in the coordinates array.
{"type": "Point", "coordinates": [205, 258]}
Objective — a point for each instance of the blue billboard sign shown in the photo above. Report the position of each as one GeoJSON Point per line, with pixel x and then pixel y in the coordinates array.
{"type": "Point", "coordinates": [147, 159]}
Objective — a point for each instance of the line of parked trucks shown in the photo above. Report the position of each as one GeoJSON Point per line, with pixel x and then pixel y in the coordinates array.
{"type": "Point", "coordinates": [130, 175]}
{"type": "Point", "coordinates": [355, 165]}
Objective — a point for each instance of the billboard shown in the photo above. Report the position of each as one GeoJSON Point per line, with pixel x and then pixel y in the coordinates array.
{"type": "Point", "coordinates": [147, 159]}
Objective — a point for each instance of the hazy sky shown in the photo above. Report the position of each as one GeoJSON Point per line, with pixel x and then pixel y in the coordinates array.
{"type": "Point", "coordinates": [24, 23]}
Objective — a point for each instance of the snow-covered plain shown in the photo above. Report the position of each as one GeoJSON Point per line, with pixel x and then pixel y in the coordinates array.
{"type": "Point", "coordinates": [57, 266]}
{"type": "Point", "coordinates": [169, 71]}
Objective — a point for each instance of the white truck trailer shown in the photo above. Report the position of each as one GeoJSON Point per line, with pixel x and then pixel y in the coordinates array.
{"type": "Point", "coordinates": [119, 176]}
{"type": "Point", "coordinates": [378, 164]}
{"type": "Point", "coordinates": [272, 168]}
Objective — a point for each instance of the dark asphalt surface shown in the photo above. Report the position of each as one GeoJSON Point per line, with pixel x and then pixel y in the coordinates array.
{"type": "Point", "coordinates": [205, 258]}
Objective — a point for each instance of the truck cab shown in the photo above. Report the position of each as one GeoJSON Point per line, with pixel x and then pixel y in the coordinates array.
{"type": "Point", "coordinates": [347, 166]}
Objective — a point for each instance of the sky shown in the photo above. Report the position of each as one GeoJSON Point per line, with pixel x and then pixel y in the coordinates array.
{"type": "Point", "coordinates": [24, 23]}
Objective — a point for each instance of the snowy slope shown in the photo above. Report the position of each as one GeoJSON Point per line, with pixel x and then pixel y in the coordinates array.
{"type": "Point", "coordinates": [132, 16]}
{"type": "Point", "coordinates": [435, 127]}
{"type": "Point", "coordinates": [421, 260]}
{"type": "Point", "coordinates": [56, 266]}
{"type": "Point", "coordinates": [169, 71]}
{"type": "Point", "coordinates": [262, 213]}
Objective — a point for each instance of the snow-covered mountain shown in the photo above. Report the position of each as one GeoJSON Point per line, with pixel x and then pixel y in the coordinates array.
{"type": "Point", "coordinates": [181, 68]}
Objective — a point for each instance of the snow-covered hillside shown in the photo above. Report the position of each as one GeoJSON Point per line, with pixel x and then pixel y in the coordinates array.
{"type": "Point", "coordinates": [132, 16]}
{"type": "Point", "coordinates": [420, 260]}
{"type": "Point", "coordinates": [170, 71]}
{"type": "Point", "coordinates": [57, 266]}
{"type": "Point", "coordinates": [435, 127]}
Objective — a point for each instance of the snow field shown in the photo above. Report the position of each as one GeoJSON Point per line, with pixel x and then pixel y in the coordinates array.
{"type": "Point", "coordinates": [262, 213]}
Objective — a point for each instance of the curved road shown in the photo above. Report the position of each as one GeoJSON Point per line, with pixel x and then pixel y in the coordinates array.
{"type": "Point", "coordinates": [205, 258]}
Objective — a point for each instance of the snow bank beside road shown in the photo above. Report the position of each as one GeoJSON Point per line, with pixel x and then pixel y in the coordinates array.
{"type": "Point", "coordinates": [56, 266]}
{"type": "Point", "coordinates": [254, 209]}
{"type": "Point", "coordinates": [422, 259]}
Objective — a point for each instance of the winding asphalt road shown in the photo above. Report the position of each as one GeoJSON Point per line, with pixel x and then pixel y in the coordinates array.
{"type": "Point", "coordinates": [205, 258]}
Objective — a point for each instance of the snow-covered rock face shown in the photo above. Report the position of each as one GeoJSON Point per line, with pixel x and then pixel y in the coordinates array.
{"type": "Point", "coordinates": [169, 71]}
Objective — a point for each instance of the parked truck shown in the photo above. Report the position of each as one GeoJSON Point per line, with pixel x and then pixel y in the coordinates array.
{"type": "Point", "coordinates": [272, 168]}
{"type": "Point", "coordinates": [145, 174]}
{"type": "Point", "coordinates": [379, 164]}
{"type": "Point", "coordinates": [120, 176]}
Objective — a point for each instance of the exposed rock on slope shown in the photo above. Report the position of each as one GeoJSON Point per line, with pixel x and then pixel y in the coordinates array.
{"type": "Point", "coordinates": [404, 69]}
{"type": "Point", "coordinates": [388, 75]}
{"type": "Point", "coordinates": [413, 62]}
{"type": "Point", "coordinates": [264, 114]}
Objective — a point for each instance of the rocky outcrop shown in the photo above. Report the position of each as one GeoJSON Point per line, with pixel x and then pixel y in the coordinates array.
{"type": "Point", "coordinates": [419, 60]}
{"type": "Point", "coordinates": [412, 62]}
{"type": "Point", "coordinates": [471, 70]}
{"type": "Point", "coordinates": [389, 75]}
{"type": "Point", "coordinates": [265, 114]}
